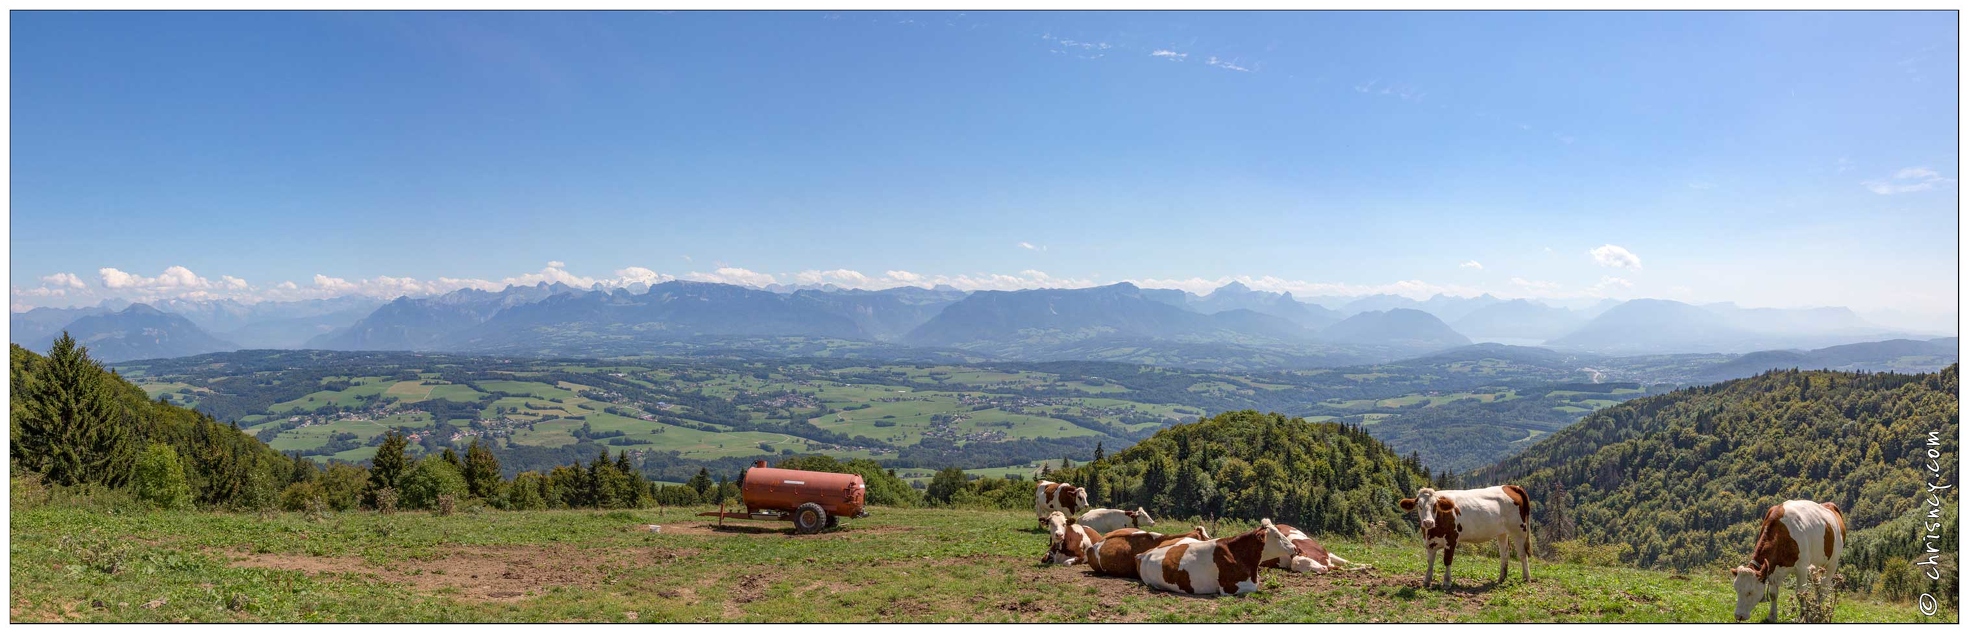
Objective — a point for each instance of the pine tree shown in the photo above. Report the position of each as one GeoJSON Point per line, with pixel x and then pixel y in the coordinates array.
{"type": "Point", "coordinates": [481, 471]}
{"type": "Point", "coordinates": [452, 457]}
{"type": "Point", "coordinates": [390, 463]}
{"type": "Point", "coordinates": [701, 482]}
{"type": "Point", "coordinates": [1100, 451]}
{"type": "Point", "coordinates": [600, 474]}
{"type": "Point", "coordinates": [72, 429]}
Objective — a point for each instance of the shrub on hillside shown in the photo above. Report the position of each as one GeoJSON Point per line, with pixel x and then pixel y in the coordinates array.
{"type": "Point", "coordinates": [160, 480]}
{"type": "Point", "coordinates": [300, 495]}
{"type": "Point", "coordinates": [342, 486]}
{"type": "Point", "coordinates": [429, 480]}
{"type": "Point", "coordinates": [524, 493]}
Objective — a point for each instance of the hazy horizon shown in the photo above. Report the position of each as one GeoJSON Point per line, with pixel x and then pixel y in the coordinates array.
{"type": "Point", "coordinates": [1767, 159]}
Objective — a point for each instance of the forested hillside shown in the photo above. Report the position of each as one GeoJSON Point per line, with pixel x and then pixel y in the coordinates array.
{"type": "Point", "coordinates": [74, 423]}
{"type": "Point", "coordinates": [1322, 477]}
{"type": "Point", "coordinates": [1679, 480]}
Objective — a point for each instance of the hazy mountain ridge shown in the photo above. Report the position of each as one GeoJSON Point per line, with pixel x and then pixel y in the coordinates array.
{"type": "Point", "coordinates": [1120, 322]}
{"type": "Point", "coordinates": [141, 332]}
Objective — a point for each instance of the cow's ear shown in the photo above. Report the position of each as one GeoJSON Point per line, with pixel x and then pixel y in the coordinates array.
{"type": "Point", "coordinates": [1443, 505]}
{"type": "Point", "coordinates": [1408, 504]}
{"type": "Point", "coordinates": [1071, 520]}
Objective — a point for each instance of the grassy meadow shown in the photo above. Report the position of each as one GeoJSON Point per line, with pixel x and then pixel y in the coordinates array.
{"type": "Point", "coordinates": [106, 562]}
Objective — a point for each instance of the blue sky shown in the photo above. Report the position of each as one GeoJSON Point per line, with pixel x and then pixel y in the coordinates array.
{"type": "Point", "coordinates": [1770, 159]}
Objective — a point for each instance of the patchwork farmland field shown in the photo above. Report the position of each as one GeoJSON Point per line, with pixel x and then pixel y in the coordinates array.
{"type": "Point", "coordinates": [337, 406]}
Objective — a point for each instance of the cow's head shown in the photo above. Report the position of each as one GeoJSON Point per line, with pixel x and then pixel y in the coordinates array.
{"type": "Point", "coordinates": [1750, 587]}
{"type": "Point", "coordinates": [1056, 527]}
{"type": "Point", "coordinates": [1080, 499]}
{"type": "Point", "coordinates": [1302, 562]}
{"type": "Point", "coordinates": [1277, 544]}
{"type": "Point", "coordinates": [1199, 533]}
{"type": "Point", "coordinates": [1139, 518]}
{"type": "Point", "coordinates": [1428, 505]}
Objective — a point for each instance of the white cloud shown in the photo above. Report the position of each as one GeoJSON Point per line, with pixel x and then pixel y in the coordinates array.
{"type": "Point", "coordinates": [233, 282]}
{"type": "Point", "coordinates": [838, 277]}
{"type": "Point", "coordinates": [286, 286]}
{"type": "Point", "coordinates": [556, 264]}
{"type": "Point", "coordinates": [1615, 257]}
{"type": "Point", "coordinates": [176, 277]}
{"type": "Point", "coordinates": [905, 277]}
{"type": "Point", "coordinates": [1473, 264]}
{"type": "Point", "coordinates": [1415, 289]}
{"type": "Point", "coordinates": [1226, 64]}
{"type": "Point", "coordinates": [1908, 180]}
{"type": "Point", "coordinates": [1169, 55]}
{"type": "Point", "coordinates": [734, 275]}
{"type": "Point", "coordinates": [68, 280]}
{"type": "Point", "coordinates": [640, 275]}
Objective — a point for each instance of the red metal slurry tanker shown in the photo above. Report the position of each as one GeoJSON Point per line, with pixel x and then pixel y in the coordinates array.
{"type": "Point", "coordinates": [812, 500]}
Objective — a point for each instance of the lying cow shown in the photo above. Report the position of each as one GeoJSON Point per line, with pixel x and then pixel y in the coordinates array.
{"type": "Point", "coordinates": [1796, 535]}
{"type": "Point", "coordinates": [1309, 555]}
{"type": "Point", "coordinates": [1499, 513]}
{"type": "Point", "coordinates": [1057, 496]}
{"type": "Point", "coordinates": [1226, 565]}
{"type": "Point", "coordinates": [1115, 555]}
{"type": "Point", "coordinates": [1071, 541]}
{"type": "Point", "coordinates": [1110, 520]}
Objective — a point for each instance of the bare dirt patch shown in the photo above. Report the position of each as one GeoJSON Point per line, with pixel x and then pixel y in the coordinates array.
{"type": "Point", "coordinates": [752, 528]}
{"type": "Point", "coordinates": [478, 573]}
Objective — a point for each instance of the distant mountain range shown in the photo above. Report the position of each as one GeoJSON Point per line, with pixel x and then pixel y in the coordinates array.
{"type": "Point", "coordinates": [142, 332]}
{"type": "Point", "coordinates": [1232, 327]}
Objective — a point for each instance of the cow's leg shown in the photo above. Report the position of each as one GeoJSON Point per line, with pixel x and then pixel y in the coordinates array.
{"type": "Point", "coordinates": [1429, 557]}
{"type": "Point", "coordinates": [1503, 557]}
{"type": "Point", "coordinates": [1774, 587]}
{"type": "Point", "coordinates": [1523, 544]}
{"type": "Point", "coordinates": [1449, 556]}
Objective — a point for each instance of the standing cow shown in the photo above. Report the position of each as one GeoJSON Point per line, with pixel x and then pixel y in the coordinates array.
{"type": "Point", "coordinates": [1309, 555]}
{"type": "Point", "coordinates": [1500, 513]}
{"type": "Point", "coordinates": [1226, 565]}
{"type": "Point", "coordinates": [1057, 496]}
{"type": "Point", "coordinates": [1797, 535]}
{"type": "Point", "coordinates": [1071, 540]}
{"type": "Point", "coordinates": [1115, 555]}
{"type": "Point", "coordinates": [1109, 520]}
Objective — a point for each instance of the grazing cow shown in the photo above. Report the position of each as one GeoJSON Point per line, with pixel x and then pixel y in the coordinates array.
{"type": "Point", "coordinates": [1071, 541]}
{"type": "Point", "coordinates": [1310, 556]}
{"type": "Point", "coordinates": [1226, 565]}
{"type": "Point", "coordinates": [1797, 535]}
{"type": "Point", "coordinates": [1057, 496]}
{"type": "Point", "coordinates": [1115, 555]}
{"type": "Point", "coordinates": [1109, 520]}
{"type": "Point", "coordinates": [1499, 513]}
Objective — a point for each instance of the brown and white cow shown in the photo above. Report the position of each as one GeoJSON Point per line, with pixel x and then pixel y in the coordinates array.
{"type": "Point", "coordinates": [1226, 565]}
{"type": "Point", "coordinates": [1310, 556]}
{"type": "Point", "coordinates": [1499, 513]}
{"type": "Point", "coordinates": [1070, 540]}
{"type": "Point", "coordinates": [1115, 555]}
{"type": "Point", "coordinates": [1110, 520]}
{"type": "Point", "coordinates": [1057, 496]}
{"type": "Point", "coordinates": [1796, 535]}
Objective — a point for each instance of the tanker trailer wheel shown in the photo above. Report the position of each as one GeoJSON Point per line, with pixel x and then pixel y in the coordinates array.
{"type": "Point", "coordinates": [809, 518]}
